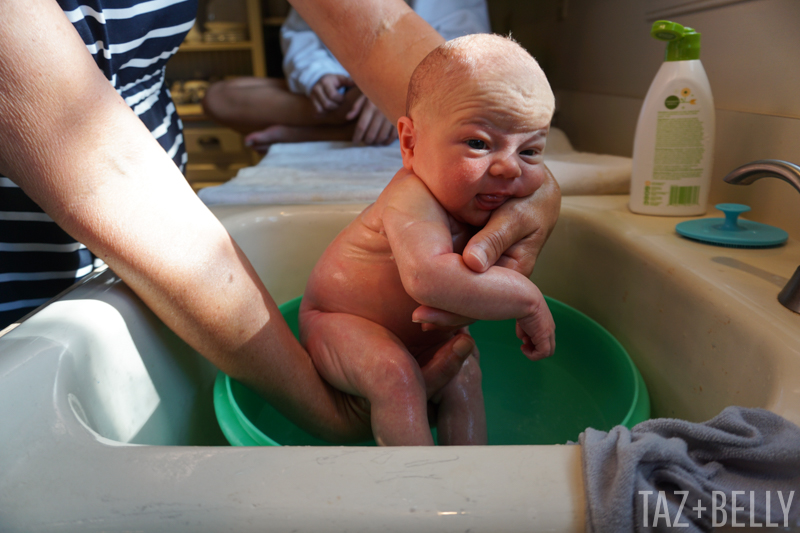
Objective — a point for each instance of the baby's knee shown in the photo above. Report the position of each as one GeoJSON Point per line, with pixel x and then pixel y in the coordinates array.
{"type": "Point", "coordinates": [399, 376]}
{"type": "Point", "coordinates": [469, 378]}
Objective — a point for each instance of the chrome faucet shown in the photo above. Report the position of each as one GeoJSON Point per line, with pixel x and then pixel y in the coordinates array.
{"type": "Point", "coordinates": [790, 173]}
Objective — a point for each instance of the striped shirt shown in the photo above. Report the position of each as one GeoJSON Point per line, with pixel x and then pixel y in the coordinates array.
{"type": "Point", "coordinates": [131, 41]}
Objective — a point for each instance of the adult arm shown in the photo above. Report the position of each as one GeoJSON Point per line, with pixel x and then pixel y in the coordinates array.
{"type": "Point", "coordinates": [73, 145]}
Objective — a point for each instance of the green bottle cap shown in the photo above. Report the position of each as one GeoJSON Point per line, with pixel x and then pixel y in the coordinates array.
{"type": "Point", "coordinates": [665, 30]}
{"type": "Point", "coordinates": [683, 43]}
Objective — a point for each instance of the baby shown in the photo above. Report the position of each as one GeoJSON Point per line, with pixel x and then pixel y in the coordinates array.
{"type": "Point", "coordinates": [478, 113]}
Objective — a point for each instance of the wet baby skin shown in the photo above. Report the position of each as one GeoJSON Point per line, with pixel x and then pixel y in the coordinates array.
{"type": "Point", "coordinates": [479, 112]}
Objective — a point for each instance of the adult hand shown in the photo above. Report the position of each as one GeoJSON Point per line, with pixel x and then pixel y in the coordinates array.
{"type": "Point", "coordinates": [326, 94]}
{"type": "Point", "coordinates": [447, 361]}
{"type": "Point", "coordinates": [513, 238]}
{"type": "Point", "coordinates": [372, 127]}
{"type": "Point", "coordinates": [516, 232]}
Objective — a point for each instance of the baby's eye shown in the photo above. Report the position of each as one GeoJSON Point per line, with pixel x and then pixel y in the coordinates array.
{"type": "Point", "coordinates": [476, 144]}
{"type": "Point", "coordinates": [530, 153]}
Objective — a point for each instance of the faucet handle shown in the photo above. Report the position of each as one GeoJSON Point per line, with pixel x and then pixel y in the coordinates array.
{"type": "Point", "coordinates": [765, 168]}
{"type": "Point", "coordinates": [790, 295]}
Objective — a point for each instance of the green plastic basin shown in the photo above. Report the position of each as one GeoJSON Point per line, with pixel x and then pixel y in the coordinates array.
{"type": "Point", "coordinates": [589, 382]}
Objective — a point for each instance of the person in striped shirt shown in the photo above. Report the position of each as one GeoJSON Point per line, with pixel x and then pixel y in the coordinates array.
{"type": "Point", "coordinates": [130, 45]}
{"type": "Point", "coordinates": [89, 143]}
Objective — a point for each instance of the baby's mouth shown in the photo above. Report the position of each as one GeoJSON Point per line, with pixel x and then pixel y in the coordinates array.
{"type": "Point", "coordinates": [490, 201]}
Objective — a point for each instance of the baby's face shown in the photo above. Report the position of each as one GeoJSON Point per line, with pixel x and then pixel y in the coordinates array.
{"type": "Point", "coordinates": [482, 145]}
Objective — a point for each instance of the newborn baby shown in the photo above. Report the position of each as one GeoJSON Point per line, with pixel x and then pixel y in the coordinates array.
{"type": "Point", "coordinates": [478, 113]}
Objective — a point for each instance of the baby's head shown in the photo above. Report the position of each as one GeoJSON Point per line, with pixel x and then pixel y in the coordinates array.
{"type": "Point", "coordinates": [477, 116]}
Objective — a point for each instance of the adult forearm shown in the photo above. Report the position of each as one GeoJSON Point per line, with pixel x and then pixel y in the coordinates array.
{"type": "Point", "coordinates": [75, 147]}
{"type": "Point", "coordinates": [379, 42]}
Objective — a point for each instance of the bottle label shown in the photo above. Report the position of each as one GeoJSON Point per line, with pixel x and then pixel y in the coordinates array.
{"type": "Point", "coordinates": [679, 152]}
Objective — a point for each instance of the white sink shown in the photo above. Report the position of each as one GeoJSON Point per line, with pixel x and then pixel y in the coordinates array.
{"type": "Point", "coordinates": [108, 424]}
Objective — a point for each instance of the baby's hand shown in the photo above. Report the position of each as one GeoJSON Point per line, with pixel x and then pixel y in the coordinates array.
{"type": "Point", "coordinates": [538, 333]}
{"type": "Point", "coordinates": [327, 94]}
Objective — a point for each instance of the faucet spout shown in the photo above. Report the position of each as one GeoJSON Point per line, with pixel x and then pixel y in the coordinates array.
{"type": "Point", "coordinates": [789, 297]}
{"type": "Point", "coordinates": [765, 168]}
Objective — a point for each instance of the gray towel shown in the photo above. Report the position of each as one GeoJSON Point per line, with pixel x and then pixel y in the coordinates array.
{"type": "Point", "coordinates": [631, 476]}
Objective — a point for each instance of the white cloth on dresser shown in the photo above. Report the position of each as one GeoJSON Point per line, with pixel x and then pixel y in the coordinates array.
{"type": "Point", "coordinates": [342, 172]}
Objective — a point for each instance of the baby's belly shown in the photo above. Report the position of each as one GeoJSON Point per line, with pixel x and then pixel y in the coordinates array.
{"type": "Point", "coordinates": [372, 291]}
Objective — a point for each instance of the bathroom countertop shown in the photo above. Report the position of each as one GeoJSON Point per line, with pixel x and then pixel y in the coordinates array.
{"type": "Point", "coordinates": [701, 322]}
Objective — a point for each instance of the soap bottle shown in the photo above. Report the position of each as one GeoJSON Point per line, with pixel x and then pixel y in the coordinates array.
{"type": "Point", "coordinates": [673, 150]}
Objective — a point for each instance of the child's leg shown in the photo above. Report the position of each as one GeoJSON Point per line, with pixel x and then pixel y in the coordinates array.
{"type": "Point", "coordinates": [461, 413]}
{"type": "Point", "coordinates": [253, 104]}
{"type": "Point", "coordinates": [360, 357]}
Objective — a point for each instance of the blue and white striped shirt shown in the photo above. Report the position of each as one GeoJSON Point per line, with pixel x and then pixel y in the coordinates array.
{"type": "Point", "coordinates": [131, 41]}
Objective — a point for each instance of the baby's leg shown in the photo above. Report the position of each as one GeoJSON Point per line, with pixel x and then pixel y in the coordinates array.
{"type": "Point", "coordinates": [360, 357]}
{"type": "Point", "coordinates": [461, 413]}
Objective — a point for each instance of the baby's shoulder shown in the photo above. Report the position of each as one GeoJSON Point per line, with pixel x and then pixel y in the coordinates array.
{"type": "Point", "coordinates": [408, 194]}
{"type": "Point", "coordinates": [405, 184]}
{"type": "Point", "coordinates": [364, 236]}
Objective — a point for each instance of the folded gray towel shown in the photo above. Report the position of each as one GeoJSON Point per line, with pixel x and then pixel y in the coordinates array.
{"type": "Point", "coordinates": [739, 469]}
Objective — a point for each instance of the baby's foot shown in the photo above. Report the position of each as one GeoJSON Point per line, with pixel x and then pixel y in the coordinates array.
{"type": "Point", "coordinates": [262, 140]}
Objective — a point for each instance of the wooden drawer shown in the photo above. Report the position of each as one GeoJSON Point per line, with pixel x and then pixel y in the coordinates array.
{"type": "Point", "coordinates": [210, 172]}
{"type": "Point", "coordinates": [213, 141]}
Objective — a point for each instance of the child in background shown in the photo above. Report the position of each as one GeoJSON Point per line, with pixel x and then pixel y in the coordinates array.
{"type": "Point", "coordinates": [478, 113]}
{"type": "Point", "coordinates": [311, 104]}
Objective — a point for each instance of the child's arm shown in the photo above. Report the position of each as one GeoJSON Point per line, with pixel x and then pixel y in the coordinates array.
{"type": "Point", "coordinates": [305, 59]}
{"type": "Point", "coordinates": [432, 274]}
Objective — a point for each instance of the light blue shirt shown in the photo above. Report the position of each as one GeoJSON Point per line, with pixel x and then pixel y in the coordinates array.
{"type": "Point", "coordinates": [306, 59]}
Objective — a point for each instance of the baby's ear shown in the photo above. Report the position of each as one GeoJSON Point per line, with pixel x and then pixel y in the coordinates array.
{"type": "Point", "coordinates": [408, 140]}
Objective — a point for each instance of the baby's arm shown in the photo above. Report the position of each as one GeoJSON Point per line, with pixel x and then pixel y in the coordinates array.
{"type": "Point", "coordinates": [418, 231]}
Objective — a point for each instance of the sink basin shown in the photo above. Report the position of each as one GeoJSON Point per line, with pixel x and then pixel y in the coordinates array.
{"type": "Point", "coordinates": [108, 423]}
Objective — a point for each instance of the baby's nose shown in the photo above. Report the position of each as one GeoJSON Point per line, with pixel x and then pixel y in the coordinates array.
{"type": "Point", "coordinates": [506, 166]}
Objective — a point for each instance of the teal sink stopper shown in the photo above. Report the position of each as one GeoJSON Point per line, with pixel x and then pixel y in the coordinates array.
{"type": "Point", "coordinates": [732, 231]}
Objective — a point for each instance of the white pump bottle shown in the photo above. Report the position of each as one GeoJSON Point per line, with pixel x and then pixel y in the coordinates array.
{"type": "Point", "coordinates": [673, 150]}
